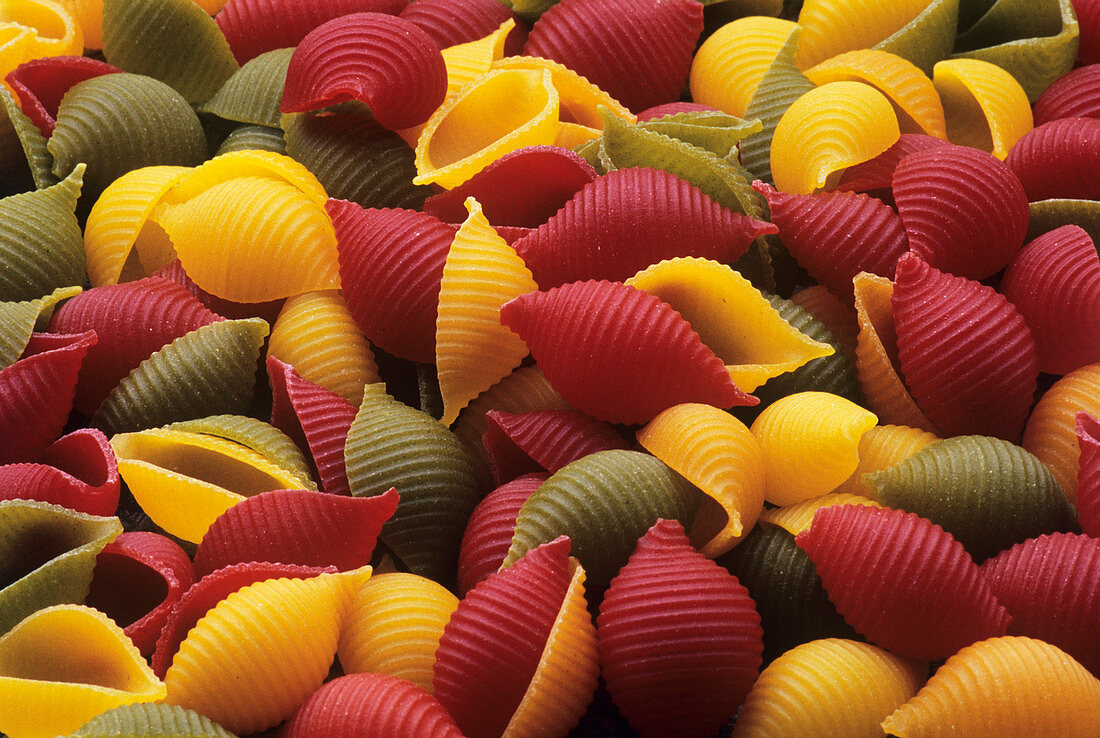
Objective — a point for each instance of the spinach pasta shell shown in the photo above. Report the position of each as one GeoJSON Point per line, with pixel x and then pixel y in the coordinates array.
{"type": "Point", "coordinates": [253, 93]}
{"type": "Point", "coordinates": [151, 720]}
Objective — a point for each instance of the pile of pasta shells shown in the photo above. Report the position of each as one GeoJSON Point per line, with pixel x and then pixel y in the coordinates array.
{"type": "Point", "coordinates": [549, 368]}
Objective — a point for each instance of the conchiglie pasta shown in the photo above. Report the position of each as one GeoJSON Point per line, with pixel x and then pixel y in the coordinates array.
{"type": "Point", "coordinates": [253, 93]}
{"type": "Point", "coordinates": [1050, 430]}
{"type": "Point", "coordinates": [798, 517]}
{"type": "Point", "coordinates": [882, 447]}
{"type": "Point", "coordinates": [151, 720]}
{"type": "Point", "coordinates": [985, 107]}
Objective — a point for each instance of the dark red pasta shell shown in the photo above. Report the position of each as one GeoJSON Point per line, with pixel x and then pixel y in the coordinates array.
{"type": "Point", "coordinates": [967, 356]}
{"type": "Point", "coordinates": [138, 579]}
{"type": "Point", "coordinates": [1088, 21]}
{"type": "Point", "coordinates": [673, 108]}
{"type": "Point", "coordinates": [902, 581]}
{"type": "Point", "coordinates": [680, 639]}
{"type": "Point", "coordinates": [132, 320]}
{"type": "Point", "coordinates": [1088, 474]}
{"type": "Point", "coordinates": [388, 63]}
{"type": "Point", "coordinates": [1051, 587]}
{"type": "Point", "coordinates": [1055, 284]}
{"type": "Point", "coordinates": [41, 83]}
{"type": "Point", "coordinates": [488, 533]}
{"type": "Point", "coordinates": [549, 438]}
{"type": "Point", "coordinates": [269, 311]}
{"type": "Point", "coordinates": [631, 218]}
{"type": "Point", "coordinates": [964, 211]}
{"type": "Point", "coordinates": [617, 353]}
{"type": "Point", "coordinates": [877, 173]}
{"type": "Point", "coordinates": [1075, 95]}
{"type": "Point", "coordinates": [523, 188]}
{"type": "Point", "coordinates": [837, 235]}
{"type": "Point", "coordinates": [639, 51]}
{"type": "Point", "coordinates": [36, 394]}
{"type": "Point", "coordinates": [209, 591]}
{"type": "Point", "coordinates": [254, 26]}
{"type": "Point", "coordinates": [1059, 159]}
{"type": "Point", "coordinates": [453, 22]}
{"type": "Point", "coordinates": [78, 471]}
{"type": "Point", "coordinates": [493, 643]}
{"type": "Point", "coordinates": [375, 705]}
{"type": "Point", "coordinates": [391, 264]}
{"type": "Point", "coordinates": [296, 527]}
{"type": "Point", "coordinates": [316, 418]}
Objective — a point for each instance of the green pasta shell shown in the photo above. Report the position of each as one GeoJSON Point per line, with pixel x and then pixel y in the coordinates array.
{"type": "Point", "coordinates": [19, 319]}
{"type": "Point", "coordinates": [209, 371]}
{"type": "Point", "coordinates": [174, 41]}
{"type": "Point", "coordinates": [356, 159]}
{"type": "Point", "coordinates": [253, 138]}
{"type": "Point", "coordinates": [988, 493]}
{"type": "Point", "coordinates": [253, 93]}
{"type": "Point", "coordinates": [393, 445]}
{"type": "Point", "coordinates": [716, 132]}
{"type": "Point", "coordinates": [928, 38]}
{"type": "Point", "coordinates": [25, 163]}
{"type": "Point", "coordinates": [780, 86]}
{"type": "Point", "coordinates": [119, 122]}
{"type": "Point", "coordinates": [604, 502]}
{"type": "Point", "coordinates": [47, 554]}
{"type": "Point", "coordinates": [789, 596]}
{"type": "Point", "coordinates": [41, 245]}
{"type": "Point", "coordinates": [263, 438]}
{"type": "Point", "coordinates": [1046, 215]}
{"type": "Point", "coordinates": [149, 720]}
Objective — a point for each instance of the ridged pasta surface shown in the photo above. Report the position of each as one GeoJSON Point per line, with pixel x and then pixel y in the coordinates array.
{"type": "Point", "coordinates": [984, 106]}
{"type": "Point", "coordinates": [151, 720]}
{"type": "Point", "coordinates": [488, 534]}
{"type": "Point", "coordinates": [882, 447]}
{"type": "Point", "coordinates": [253, 92]}
{"type": "Point", "coordinates": [1050, 433]}
{"type": "Point", "coordinates": [539, 440]}
{"type": "Point", "coordinates": [730, 63]}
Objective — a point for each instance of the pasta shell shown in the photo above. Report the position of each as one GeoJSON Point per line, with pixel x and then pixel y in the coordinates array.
{"type": "Point", "coordinates": [454, 22]}
{"type": "Point", "coordinates": [1073, 95]}
{"type": "Point", "coordinates": [488, 534]}
{"type": "Point", "coordinates": [833, 686]}
{"type": "Point", "coordinates": [1050, 431]}
{"type": "Point", "coordinates": [838, 318]}
{"type": "Point", "coordinates": [875, 176]}
{"type": "Point", "coordinates": [902, 581]}
{"type": "Point", "coordinates": [832, 27]}
{"type": "Point", "coordinates": [64, 665]}
{"type": "Point", "coordinates": [1002, 687]}
{"type": "Point", "coordinates": [798, 517]}
{"type": "Point", "coordinates": [880, 448]}
{"type": "Point", "coordinates": [252, 138]}
{"type": "Point", "coordinates": [1054, 160]}
{"type": "Point", "coordinates": [1047, 215]}
{"type": "Point", "coordinates": [253, 93]}
{"type": "Point", "coordinates": [394, 627]}
{"type": "Point", "coordinates": [27, 162]}
{"type": "Point", "coordinates": [77, 471]}
{"type": "Point", "coordinates": [39, 84]}
{"type": "Point", "coordinates": [151, 720]}
{"type": "Point", "coordinates": [1088, 477]}
{"type": "Point", "coordinates": [19, 319]}
{"type": "Point", "coordinates": [35, 29]}
{"type": "Point", "coordinates": [671, 622]}
{"type": "Point", "coordinates": [221, 169]}
{"type": "Point", "coordinates": [580, 101]}
{"type": "Point", "coordinates": [984, 106]}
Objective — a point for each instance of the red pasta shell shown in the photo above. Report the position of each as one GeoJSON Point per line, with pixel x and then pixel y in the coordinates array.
{"type": "Point", "coordinates": [493, 642]}
{"type": "Point", "coordinates": [488, 534]}
{"type": "Point", "coordinates": [1088, 21]}
{"type": "Point", "coordinates": [549, 439]}
{"type": "Point", "coordinates": [964, 211]}
{"type": "Point", "coordinates": [391, 264]}
{"type": "Point", "coordinates": [453, 22]}
{"type": "Point", "coordinates": [627, 220]}
{"type": "Point", "coordinates": [1088, 474]}
{"type": "Point", "coordinates": [877, 174]}
{"type": "Point", "coordinates": [39, 84]}
{"type": "Point", "coordinates": [679, 636]}
{"type": "Point", "coordinates": [297, 527]}
{"type": "Point", "coordinates": [316, 418]}
{"type": "Point", "coordinates": [837, 235]}
{"type": "Point", "coordinates": [78, 471]}
{"type": "Point", "coordinates": [254, 26]}
{"type": "Point", "coordinates": [1051, 587]}
{"type": "Point", "coordinates": [638, 51]}
{"type": "Point", "coordinates": [967, 355]}
{"type": "Point", "coordinates": [138, 579]}
{"type": "Point", "coordinates": [1059, 159]}
{"type": "Point", "coordinates": [208, 592]}
{"type": "Point", "coordinates": [228, 309]}
{"type": "Point", "coordinates": [902, 581]}
{"type": "Point", "coordinates": [1055, 284]}
{"type": "Point", "coordinates": [387, 62]}
{"type": "Point", "coordinates": [36, 394]}
{"type": "Point", "coordinates": [1074, 95]}
{"type": "Point", "coordinates": [618, 353]}
{"type": "Point", "coordinates": [523, 188]}
{"type": "Point", "coordinates": [132, 321]}
{"type": "Point", "coordinates": [375, 705]}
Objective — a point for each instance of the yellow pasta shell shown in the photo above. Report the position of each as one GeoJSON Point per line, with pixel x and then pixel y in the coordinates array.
{"type": "Point", "coordinates": [63, 665]}
{"type": "Point", "coordinates": [914, 97]}
{"type": "Point", "coordinates": [797, 517]}
{"type": "Point", "coordinates": [394, 626]}
{"type": "Point", "coordinates": [89, 15]}
{"type": "Point", "coordinates": [316, 334]}
{"type": "Point", "coordinates": [732, 317]}
{"type": "Point", "coordinates": [731, 62]}
{"type": "Point", "coordinates": [505, 110]}
{"type": "Point", "coordinates": [1051, 433]}
{"type": "Point", "coordinates": [254, 239]}
{"type": "Point", "coordinates": [832, 687]}
{"type": "Point", "coordinates": [119, 224]}
{"type": "Point", "coordinates": [985, 107]}
{"type": "Point", "coordinates": [810, 442]}
{"type": "Point", "coordinates": [184, 480]}
{"type": "Point", "coordinates": [1009, 686]}
{"type": "Point", "coordinates": [247, 163]}
{"type": "Point", "coordinates": [31, 29]}
{"type": "Point", "coordinates": [831, 27]}
{"type": "Point", "coordinates": [716, 452]}
{"type": "Point", "coordinates": [473, 349]}
{"type": "Point", "coordinates": [827, 130]}
{"type": "Point", "coordinates": [260, 652]}
{"type": "Point", "coordinates": [880, 448]}
{"type": "Point", "coordinates": [579, 101]}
